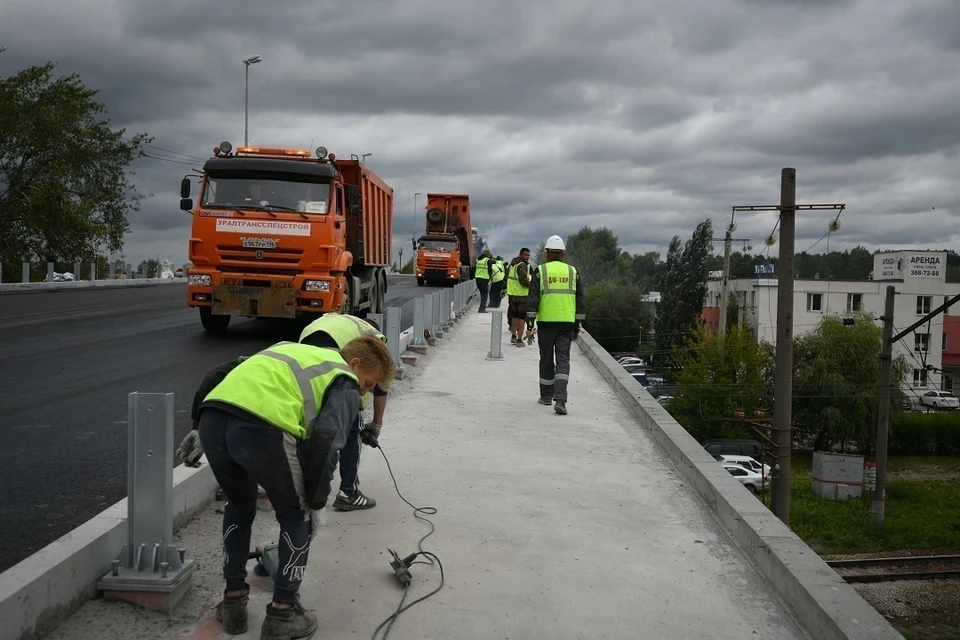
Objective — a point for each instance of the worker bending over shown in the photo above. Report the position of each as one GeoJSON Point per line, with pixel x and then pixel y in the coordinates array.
{"type": "Point", "coordinates": [556, 303]}
{"type": "Point", "coordinates": [335, 331]}
{"type": "Point", "coordinates": [279, 419]}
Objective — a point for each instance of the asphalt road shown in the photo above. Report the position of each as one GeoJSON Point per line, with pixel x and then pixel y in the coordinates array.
{"type": "Point", "coordinates": [68, 359]}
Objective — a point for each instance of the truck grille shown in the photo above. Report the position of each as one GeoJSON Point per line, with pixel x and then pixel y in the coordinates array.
{"type": "Point", "coordinates": [237, 256]}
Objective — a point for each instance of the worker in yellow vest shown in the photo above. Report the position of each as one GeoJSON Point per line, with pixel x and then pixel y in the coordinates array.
{"type": "Point", "coordinates": [482, 276]}
{"type": "Point", "coordinates": [497, 274]}
{"type": "Point", "coordinates": [334, 331]}
{"type": "Point", "coordinates": [518, 286]}
{"type": "Point", "coordinates": [556, 303]}
{"type": "Point", "coordinates": [279, 420]}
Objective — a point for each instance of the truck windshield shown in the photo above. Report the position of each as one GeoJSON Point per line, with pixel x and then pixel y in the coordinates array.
{"type": "Point", "coordinates": [438, 245]}
{"type": "Point", "coordinates": [254, 192]}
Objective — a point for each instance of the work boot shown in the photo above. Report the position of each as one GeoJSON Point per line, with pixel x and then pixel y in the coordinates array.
{"type": "Point", "coordinates": [520, 343]}
{"type": "Point", "coordinates": [560, 407]}
{"type": "Point", "coordinates": [232, 612]}
{"type": "Point", "coordinates": [513, 339]}
{"type": "Point", "coordinates": [287, 624]}
{"type": "Point", "coordinates": [353, 501]}
{"type": "Point", "coordinates": [544, 401]}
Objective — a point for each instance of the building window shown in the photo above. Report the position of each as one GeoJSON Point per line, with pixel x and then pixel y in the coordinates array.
{"type": "Point", "coordinates": [854, 301]}
{"type": "Point", "coordinates": [943, 346]}
{"type": "Point", "coordinates": [814, 302]}
{"type": "Point", "coordinates": [921, 342]}
{"type": "Point", "coordinates": [919, 377]}
{"type": "Point", "coordinates": [947, 382]}
{"type": "Point", "coordinates": [923, 305]}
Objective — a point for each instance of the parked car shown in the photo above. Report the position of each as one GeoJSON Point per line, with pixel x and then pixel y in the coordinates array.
{"type": "Point", "coordinates": [735, 447]}
{"type": "Point", "coordinates": [940, 400]}
{"type": "Point", "coordinates": [627, 361]}
{"type": "Point", "coordinates": [750, 479]}
{"type": "Point", "coordinates": [747, 463]}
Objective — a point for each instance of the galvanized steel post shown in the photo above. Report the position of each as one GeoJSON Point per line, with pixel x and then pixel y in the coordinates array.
{"type": "Point", "coordinates": [26, 272]}
{"type": "Point", "coordinates": [49, 272]}
{"type": "Point", "coordinates": [378, 318]}
{"type": "Point", "coordinates": [93, 271]}
{"type": "Point", "coordinates": [417, 339]}
{"type": "Point", "coordinates": [393, 334]}
{"type": "Point", "coordinates": [428, 314]}
{"type": "Point", "coordinates": [437, 316]}
{"type": "Point", "coordinates": [113, 270]}
{"type": "Point", "coordinates": [496, 329]}
{"type": "Point", "coordinates": [76, 270]}
{"type": "Point", "coordinates": [149, 561]}
{"type": "Point", "coordinates": [446, 309]}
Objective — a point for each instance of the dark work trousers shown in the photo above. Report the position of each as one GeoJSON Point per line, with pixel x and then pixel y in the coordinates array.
{"type": "Point", "coordinates": [496, 294]}
{"type": "Point", "coordinates": [554, 341]}
{"type": "Point", "coordinates": [242, 455]}
{"type": "Point", "coordinates": [483, 285]}
{"type": "Point", "coordinates": [350, 459]}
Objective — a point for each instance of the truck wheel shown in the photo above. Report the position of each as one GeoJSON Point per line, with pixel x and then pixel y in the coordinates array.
{"type": "Point", "coordinates": [419, 282]}
{"type": "Point", "coordinates": [213, 323]}
{"type": "Point", "coordinates": [435, 215]}
{"type": "Point", "coordinates": [346, 306]}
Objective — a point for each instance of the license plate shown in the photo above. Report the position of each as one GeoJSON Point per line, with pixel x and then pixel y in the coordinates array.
{"type": "Point", "coordinates": [259, 243]}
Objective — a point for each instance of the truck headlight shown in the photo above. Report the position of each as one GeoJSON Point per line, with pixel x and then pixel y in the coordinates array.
{"type": "Point", "coordinates": [202, 280]}
{"type": "Point", "coordinates": [316, 285]}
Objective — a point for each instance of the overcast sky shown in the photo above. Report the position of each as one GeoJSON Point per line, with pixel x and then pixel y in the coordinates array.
{"type": "Point", "coordinates": [645, 117]}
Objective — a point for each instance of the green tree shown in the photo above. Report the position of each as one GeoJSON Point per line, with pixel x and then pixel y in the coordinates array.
{"type": "Point", "coordinates": [714, 384]}
{"type": "Point", "coordinates": [64, 179]}
{"type": "Point", "coordinates": [595, 253]}
{"type": "Point", "coordinates": [616, 315]}
{"type": "Point", "coordinates": [540, 255]}
{"type": "Point", "coordinates": [683, 288]}
{"type": "Point", "coordinates": [836, 373]}
{"type": "Point", "coordinates": [643, 269]}
{"type": "Point", "coordinates": [408, 266]}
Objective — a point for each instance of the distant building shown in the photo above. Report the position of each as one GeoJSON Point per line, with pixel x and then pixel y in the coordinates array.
{"type": "Point", "coordinates": [920, 280]}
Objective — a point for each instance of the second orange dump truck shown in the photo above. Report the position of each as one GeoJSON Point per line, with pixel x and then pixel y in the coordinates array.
{"type": "Point", "coordinates": [280, 234]}
{"type": "Point", "coordinates": [445, 250]}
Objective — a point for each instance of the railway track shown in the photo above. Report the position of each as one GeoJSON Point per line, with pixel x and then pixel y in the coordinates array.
{"type": "Point", "coordinates": [901, 568]}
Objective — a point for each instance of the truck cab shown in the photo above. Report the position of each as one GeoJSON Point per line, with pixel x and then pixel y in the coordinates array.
{"type": "Point", "coordinates": [279, 234]}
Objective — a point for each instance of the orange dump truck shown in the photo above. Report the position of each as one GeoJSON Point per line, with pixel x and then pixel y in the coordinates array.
{"type": "Point", "coordinates": [280, 234]}
{"type": "Point", "coordinates": [445, 250]}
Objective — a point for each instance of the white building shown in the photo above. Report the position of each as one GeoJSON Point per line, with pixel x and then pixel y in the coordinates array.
{"type": "Point", "coordinates": [920, 281]}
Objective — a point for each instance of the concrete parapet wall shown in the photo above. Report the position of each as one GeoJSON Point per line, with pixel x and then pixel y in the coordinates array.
{"type": "Point", "coordinates": [824, 604]}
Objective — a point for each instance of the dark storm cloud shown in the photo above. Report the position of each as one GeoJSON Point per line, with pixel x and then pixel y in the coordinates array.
{"type": "Point", "coordinates": [643, 117]}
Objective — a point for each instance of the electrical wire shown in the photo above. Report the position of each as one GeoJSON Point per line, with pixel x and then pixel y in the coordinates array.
{"type": "Point", "coordinates": [417, 511]}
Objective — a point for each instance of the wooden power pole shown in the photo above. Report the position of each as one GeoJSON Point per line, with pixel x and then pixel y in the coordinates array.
{"type": "Point", "coordinates": [783, 375]}
{"type": "Point", "coordinates": [883, 411]}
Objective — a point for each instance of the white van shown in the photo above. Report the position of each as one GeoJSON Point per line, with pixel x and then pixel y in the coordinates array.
{"type": "Point", "coordinates": [747, 463]}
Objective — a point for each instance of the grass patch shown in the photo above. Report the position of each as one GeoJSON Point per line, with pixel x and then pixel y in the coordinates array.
{"type": "Point", "coordinates": [922, 510]}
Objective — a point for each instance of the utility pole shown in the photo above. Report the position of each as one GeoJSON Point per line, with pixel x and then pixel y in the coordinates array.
{"type": "Point", "coordinates": [246, 100]}
{"type": "Point", "coordinates": [885, 389]}
{"type": "Point", "coordinates": [725, 282]}
{"type": "Point", "coordinates": [783, 376]}
{"type": "Point", "coordinates": [883, 412]}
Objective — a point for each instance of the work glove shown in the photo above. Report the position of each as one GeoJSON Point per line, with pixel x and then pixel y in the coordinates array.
{"type": "Point", "coordinates": [190, 450]}
{"type": "Point", "coordinates": [530, 324]}
{"type": "Point", "coordinates": [370, 435]}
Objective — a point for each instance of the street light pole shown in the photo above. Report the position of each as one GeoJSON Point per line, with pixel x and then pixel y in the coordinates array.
{"type": "Point", "coordinates": [246, 100]}
{"type": "Point", "coordinates": [363, 157]}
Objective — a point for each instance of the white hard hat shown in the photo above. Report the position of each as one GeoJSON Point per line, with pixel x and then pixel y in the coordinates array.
{"type": "Point", "coordinates": [554, 243]}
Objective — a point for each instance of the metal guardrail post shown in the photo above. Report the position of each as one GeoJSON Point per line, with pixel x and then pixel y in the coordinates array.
{"type": "Point", "coordinates": [93, 271]}
{"type": "Point", "coordinates": [417, 339]}
{"type": "Point", "coordinates": [445, 308]}
{"type": "Point", "coordinates": [113, 270]}
{"type": "Point", "coordinates": [26, 272]}
{"type": "Point", "coordinates": [378, 318]}
{"type": "Point", "coordinates": [49, 272]}
{"type": "Point", "coordinates": [393, 335]}
{"type": "Point", "coordinates": [496, 330]}
{"type": "Point", "coordinates": [428, 314]}
{"type": "Point", "coordinates": [437, 316]}
{"type": "Point", "coordinates": [150, 569]}
{"type": "Point", "coordinates": [76, 270]}
{"type": "Point", "coordinates": [458, 304]}
{"type": "Point", "coordinates": [129, 271]}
